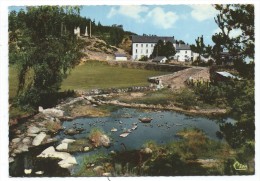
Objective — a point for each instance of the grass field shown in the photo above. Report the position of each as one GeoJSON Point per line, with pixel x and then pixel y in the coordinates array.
{"type": "Point", "coordinates": [95, 75]}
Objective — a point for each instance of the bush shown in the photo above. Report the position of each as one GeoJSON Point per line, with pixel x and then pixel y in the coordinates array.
{"type": "Point", "coordinates": [144, 59]}
{"type": "Point", "coordinates": [187, 98]}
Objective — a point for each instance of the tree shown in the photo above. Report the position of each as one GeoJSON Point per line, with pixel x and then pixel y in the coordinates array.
{"type": "Point", "coordinates": [201, 48]}
{"type": "Point", "coordinates": [46, 49]}
{"type": "Point", "coordinates": [163, 49]}
{"type": "Point", "coordinates": [236, 18]}
{"type": "Point", "coordinates": [239, 18]}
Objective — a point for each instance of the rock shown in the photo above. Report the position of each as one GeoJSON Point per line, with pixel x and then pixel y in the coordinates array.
{"type": "Point", "coordinates": [16, 140]}
{"type": "Point", "coordinates": [50, 140]}
{"type": "Point", "coordinates": [86, 148]}
{"type": "Point", "coordinates": [39, 172]}
{"type": "Point", "coordinates": [71, 131]}
{"type": "Point", "coordinates": [105, 141]}
{"type": "Point", "coordinates": [23, 148]}
{"type": "Point", "coordinates": [134, 127]}
{"type": "Point", "coordinates": [18, 132]}
{"type": "Point", "coordinates": [32, 135]}
{"type": "Point", "coordinates": [66, 140]}
{"type": "Point", "coordinates": [67, 160]}
{"type": "Point", "coordinates": [147, 151]}
{"type": "Point", "coordinates": [38, 139]}
{"type": "Point", "coordinates": [113, 130]}
{"type": "Point", "coordinates": [62, 146]}
{"type": "Point", "coordinates": [124, 135]}
{"type": "Point", "coordinates": [51, 112]}
{"type": "Point", "coordinates": [27, 140]}
{"type": "Point", "coordinates": [11, 159]}
{"type": "Point", "coordinates": [107, 174]}
{"type": "Point", "coordinates": [33, 130]}
{"type": "Point", "coordinates": [98, 170]}
{"type": "Point", "coordinates": [112, 152]}
{"type": "Point", "coordinates": [27, 171]}
{"type": "Point", "coordinates": [17, 151]}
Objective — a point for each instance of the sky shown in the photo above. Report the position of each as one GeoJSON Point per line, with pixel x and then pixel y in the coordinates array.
{"type": "Point", "coordinates": [184, 22]}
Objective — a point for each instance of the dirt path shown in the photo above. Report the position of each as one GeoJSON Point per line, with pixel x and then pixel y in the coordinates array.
{"type": "Point", "coordinates": [177, 79]}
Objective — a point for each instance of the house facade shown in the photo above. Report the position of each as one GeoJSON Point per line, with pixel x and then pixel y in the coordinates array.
{"type": "Point", "coordinates": [159, 59]}
{"type": "Point", "coordinates": [183, 53]}
{"type": "Point", "coordinates": [120, 57]}
{"type": "Point", "coordinates": [144, 45]}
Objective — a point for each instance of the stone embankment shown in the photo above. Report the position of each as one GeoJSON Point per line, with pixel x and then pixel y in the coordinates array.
{"type": "Point", "coordinates": [148, 66]}
{"type": "Point", "coordinates": [178, 79]}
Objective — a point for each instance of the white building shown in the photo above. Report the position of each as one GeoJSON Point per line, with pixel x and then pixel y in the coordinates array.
{"type": "Point", "coordinates": [159, 59]}
{"type": "Point", "coordinates": [183, 53]}
{"type": "Point", "coordinates": [120, 57]}
{"type": "Point", "coordinates": [144, 45]}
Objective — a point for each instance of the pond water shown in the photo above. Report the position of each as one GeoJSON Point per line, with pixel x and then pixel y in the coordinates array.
{"type": "Point", "coordinates": [162, 129]}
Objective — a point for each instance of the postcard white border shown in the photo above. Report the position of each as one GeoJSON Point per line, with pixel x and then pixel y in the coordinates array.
{"type": "Point", "coordinates": [4, 4]}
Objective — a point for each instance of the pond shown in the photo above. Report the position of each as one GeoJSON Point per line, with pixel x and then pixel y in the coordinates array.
{"type": "Point", "coordinates": [162, 129]}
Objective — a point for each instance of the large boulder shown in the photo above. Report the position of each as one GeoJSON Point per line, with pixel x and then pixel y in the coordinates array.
{"type": "Point", "coordinates": [39, 138]}
{"type": "Point", "coordinates": [52, 112]}
{"type": "Point", "coordinates": [64, 144]}
{"type": "Point", "coordinates": [33, 130]}
{"type": "Point", "coordinates": [67, 160]}
{"type": "Point", "coordinates": [104, 140]}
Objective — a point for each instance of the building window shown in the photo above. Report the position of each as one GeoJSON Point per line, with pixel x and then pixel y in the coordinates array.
{"type": "Point", "coordinates": [151, 45]}
{"type": "Point", "coordinates": [147, 51]}
{"type": "Point", "coordinates": [146, 45]}
{"type": "Point", "coordinates": [141, 45]}
{"type": "Point", "coordinates": [135, 50]}
{"type": "Point", "coordinates": [185, 52]}
{"type": "Point", "coordinates": [136, 45]}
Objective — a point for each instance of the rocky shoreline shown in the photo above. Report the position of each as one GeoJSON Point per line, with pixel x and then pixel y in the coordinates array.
{"type": "Point", "coordinates": [41, 128]}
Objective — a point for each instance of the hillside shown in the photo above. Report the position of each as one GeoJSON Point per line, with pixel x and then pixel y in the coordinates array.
{"type": "Point", "coordinates": [97, 49]}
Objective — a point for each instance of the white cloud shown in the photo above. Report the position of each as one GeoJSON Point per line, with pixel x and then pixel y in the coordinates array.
{"type": "Point", "coordinates": [162, 19]}
{"type": "Point", "coordinates": [128, 11]}
{"type": "Point", "coordinates": [232, 34]}
{"type": "Point", "coordinates": [201, 12]}
{"type": "Point", "coordinates": [141, 14]}
{"type": "Point", "coordinates": [235, 33]}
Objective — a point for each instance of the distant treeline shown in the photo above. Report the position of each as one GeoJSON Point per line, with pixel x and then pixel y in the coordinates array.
{"type": "Point", "coordinates": [112, 35]}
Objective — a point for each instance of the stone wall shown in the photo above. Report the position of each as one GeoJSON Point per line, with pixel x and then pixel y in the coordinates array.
{"type": "Point", "coordinates": [148, 66]}
{"type": "Point", "coordinates": [115, 90]}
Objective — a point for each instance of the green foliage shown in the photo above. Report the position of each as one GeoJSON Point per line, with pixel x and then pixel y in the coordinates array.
{"type": "Point", "coordinates": [235, 17]}
{"type": "Point", "coordinates": [163, 49]}
{"type": "Point", "coordinates": [46, 46]}
{"type": "Point", "coordinates": [201, 49]}
{"type": "Point", "coordinates": [144, 59]}
{"type": "Point", "coordinates": [186, 98]}
{"type": "Point", "coordinates": [239, 97]}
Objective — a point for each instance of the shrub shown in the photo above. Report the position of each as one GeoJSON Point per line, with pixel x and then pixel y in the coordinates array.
{"type": "Point", "coordinates": [186, 98]}
{"type": "Point", "coordinates": [144, 59]}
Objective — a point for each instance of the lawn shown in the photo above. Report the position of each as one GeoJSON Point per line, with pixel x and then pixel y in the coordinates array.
{"type": "Point", "coordinates": [95, 75]}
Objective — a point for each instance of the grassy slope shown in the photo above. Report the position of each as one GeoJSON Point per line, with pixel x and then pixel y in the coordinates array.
{"type": "Point", "coordinates": [97, 75]}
